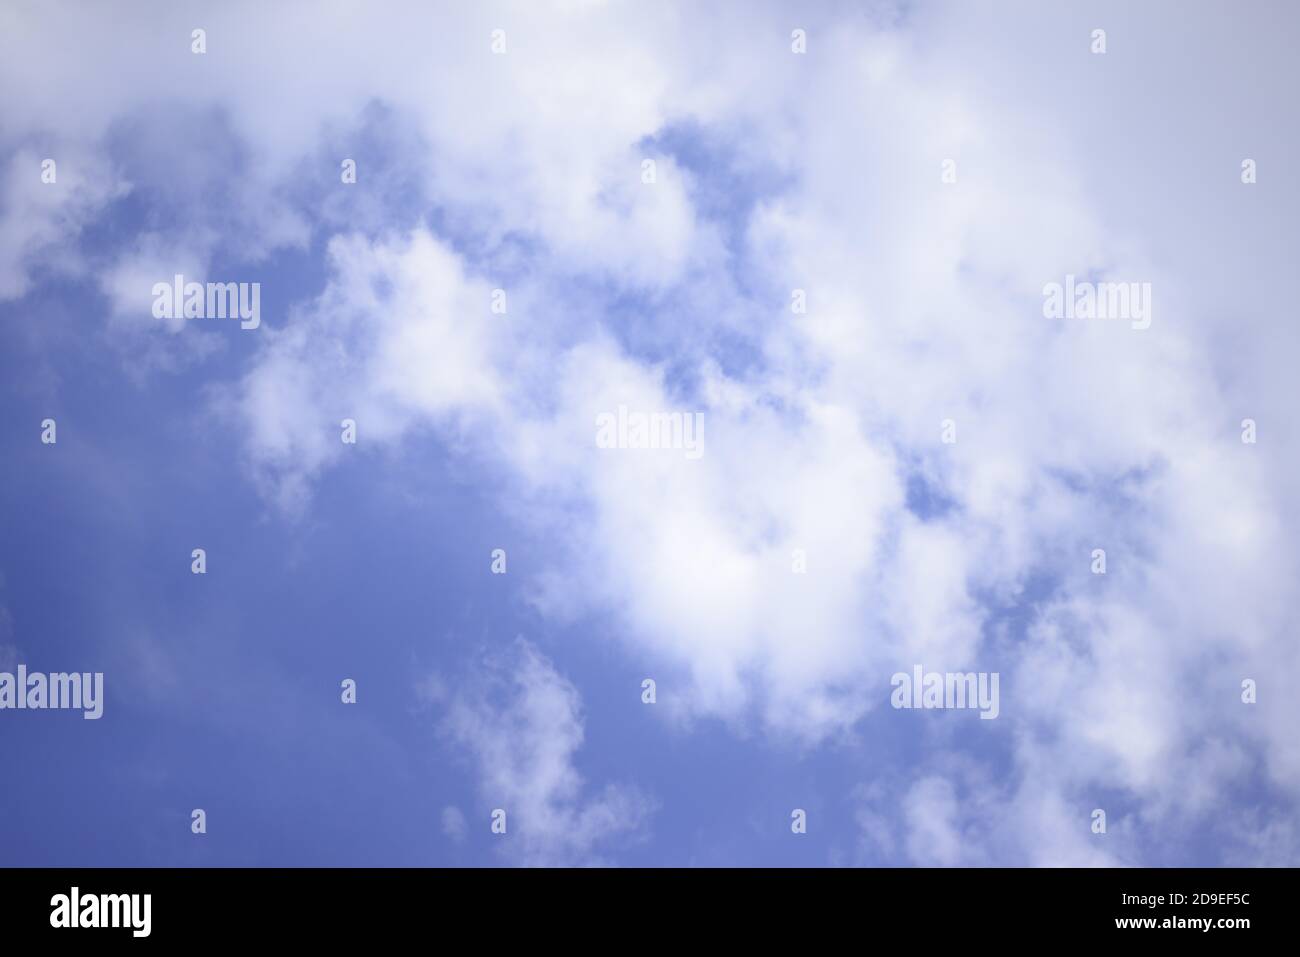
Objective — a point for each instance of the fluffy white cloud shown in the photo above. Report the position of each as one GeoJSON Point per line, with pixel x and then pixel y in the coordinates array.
{"type": "Point", "coordinates": [400, 337]}
{"type": "Point", "coordinates": [522, 723]}
{"type": "Point", "coordinates": [924, 304]}
{"type": "Point", "coordinates": [40, 221]}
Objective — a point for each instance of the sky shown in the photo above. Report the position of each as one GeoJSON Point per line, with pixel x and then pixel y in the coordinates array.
{"type": "Point", "coordinates": [826, 233]}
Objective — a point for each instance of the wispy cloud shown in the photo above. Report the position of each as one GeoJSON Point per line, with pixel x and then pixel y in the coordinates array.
{"type": "Point", "coordinates": [521, 723]}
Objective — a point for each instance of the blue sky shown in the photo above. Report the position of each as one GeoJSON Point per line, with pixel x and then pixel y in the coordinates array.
{"type": "Point", "coordinates": [775, 172]}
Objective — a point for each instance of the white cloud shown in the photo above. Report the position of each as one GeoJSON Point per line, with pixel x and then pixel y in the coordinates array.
{"type": "Point", "coordinates": [400, 337]}
{"type": "Point", "coordinates": [40, 221]}
{"type": "Point", "coordinates": [924, 305]}
{"type": "Point", "coordinates": [522, 723]}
